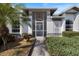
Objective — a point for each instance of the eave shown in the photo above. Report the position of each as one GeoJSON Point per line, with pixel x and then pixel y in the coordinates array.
{"type": "Point", "coordinates": [52, 10]}
{"type": "Point", "coordinates": [57, 17]}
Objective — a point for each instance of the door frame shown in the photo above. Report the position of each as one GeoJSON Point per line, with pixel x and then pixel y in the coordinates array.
{"type": "Point", "coordinates": [38, 30]}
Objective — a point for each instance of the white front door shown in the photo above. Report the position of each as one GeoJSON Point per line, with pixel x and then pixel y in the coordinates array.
{"type": "Point", "coordinates": [39, 29]}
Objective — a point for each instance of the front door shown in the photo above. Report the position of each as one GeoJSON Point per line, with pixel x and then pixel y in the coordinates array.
{"type": "Point", "coordinates": [39, 24]}
{"type": "Point", "coordinates": [39, 29]}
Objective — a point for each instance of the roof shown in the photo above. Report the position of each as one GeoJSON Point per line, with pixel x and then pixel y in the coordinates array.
{"type": "Point", "coordinates": [57, 17]}
{"type": "Point", "coordinates": [41, 8]}
{"type": "Point", "coordinates": [75, 8]}
{"type": "Point", "coordinates": [51, 9]}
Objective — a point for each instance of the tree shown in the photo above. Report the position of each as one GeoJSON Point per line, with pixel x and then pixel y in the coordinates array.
{"type": "Point", "coordinates": [9, 13]}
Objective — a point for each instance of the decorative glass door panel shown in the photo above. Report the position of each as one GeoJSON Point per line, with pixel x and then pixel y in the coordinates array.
{"type": "Point", "coordinates": [39, 29]}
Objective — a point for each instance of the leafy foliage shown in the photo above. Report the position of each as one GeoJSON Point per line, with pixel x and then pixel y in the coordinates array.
{"type": "Point", "coordinates": [8, 14]}
{"type": "Point", "coordinates": [70, 33]}
{"type": "Point", "coordinates": [63, 46]}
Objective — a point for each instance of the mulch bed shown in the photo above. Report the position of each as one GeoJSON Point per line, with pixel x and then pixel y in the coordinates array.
{"type": "Point", "coordinates": [17, 48]}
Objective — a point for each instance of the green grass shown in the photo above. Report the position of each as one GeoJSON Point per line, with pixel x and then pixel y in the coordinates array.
{"type": "Point", "coordinates": [63, 46]}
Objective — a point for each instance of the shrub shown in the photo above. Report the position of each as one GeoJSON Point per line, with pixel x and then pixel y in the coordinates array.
{"type": "Point", "coordinates": [63, 46]}
{"type": "Point", "coordinates": [70, 33]}
{"type": "Point", "coordinates": [26, 36]}
{"type": "Point", "coordinates": [10, 38]}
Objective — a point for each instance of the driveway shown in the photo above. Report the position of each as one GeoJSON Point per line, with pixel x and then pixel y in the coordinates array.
{"type": "Point", "coordinates": [39, 48]}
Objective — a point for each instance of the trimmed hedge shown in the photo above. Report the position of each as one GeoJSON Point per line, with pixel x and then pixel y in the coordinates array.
{"type": "Point", "coordinates": [70, 33]}
{"type": "Point", "coordinates": [63, 46]}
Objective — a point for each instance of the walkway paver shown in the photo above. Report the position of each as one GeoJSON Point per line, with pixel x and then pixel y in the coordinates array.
{"type": "Point", "coordinates": [39, 48]}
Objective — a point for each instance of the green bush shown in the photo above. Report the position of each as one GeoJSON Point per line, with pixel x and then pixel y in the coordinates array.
{"type": "Point", "coordinates": [70, 33]}
{"type": "Point", "coordinates": [63, 46]}
{"type": "Point", "coordinates": [26, 35]}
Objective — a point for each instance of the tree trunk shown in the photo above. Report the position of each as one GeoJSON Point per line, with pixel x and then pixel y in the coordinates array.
{"type": "Point", "coordinates": [4, 42]}
{"type": "Point", "coordinates": [3, 34]}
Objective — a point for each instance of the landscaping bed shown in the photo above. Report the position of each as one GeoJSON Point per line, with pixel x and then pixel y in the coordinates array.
{"type": "Point", "coordinates": [17, 48]}
{"type": "Point", "coordinates": [63, 46]}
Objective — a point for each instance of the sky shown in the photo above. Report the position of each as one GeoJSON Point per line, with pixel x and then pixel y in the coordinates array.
{"type": "Point", "coordinates": [61, 7]}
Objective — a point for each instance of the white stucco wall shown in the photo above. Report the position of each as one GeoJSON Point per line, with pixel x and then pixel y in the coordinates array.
{"type": "Point", "coordinates": [30, 28]}
{"type": "Point", "coordinates": [30, 22]}
{"type": "Point", "coordinates": [76, 24]}
{"type": "Point", "coordinates": [52, 28]}
{"type": "Point", "coordinates": [24, 28]}
{"type": "Point", "coordinates": [63, 25]}
{"type": "Point", "coordinates": [9, 27]}
{"type": "Point", "coordinates": [49, 27]}
{"type": "Point", "coordinates": [49, 24]}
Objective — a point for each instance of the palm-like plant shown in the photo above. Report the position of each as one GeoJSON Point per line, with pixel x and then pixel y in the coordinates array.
{"type": "Point", "coordinates": [8, 14]}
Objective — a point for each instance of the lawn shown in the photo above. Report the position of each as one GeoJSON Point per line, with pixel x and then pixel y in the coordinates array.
{"type": "Point", "coordinates": [18, 48]}
{"type": "Point", "coordinates": [63, 46]}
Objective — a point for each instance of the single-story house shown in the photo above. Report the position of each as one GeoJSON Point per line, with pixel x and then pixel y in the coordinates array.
{"type": "Point", "coordinates": [44, 23]}
{"type": "Point", "coordinates": [71, 19]}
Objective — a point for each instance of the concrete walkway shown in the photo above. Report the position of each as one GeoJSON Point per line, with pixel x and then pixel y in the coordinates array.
{"type": "Point", "coordinates": [39, 48]}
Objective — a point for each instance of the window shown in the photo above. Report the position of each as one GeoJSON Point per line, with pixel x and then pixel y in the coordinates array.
{"type": "Point", "coordinates": [16, 28]}
{"type": "Point", "coordinates": [69, 24]}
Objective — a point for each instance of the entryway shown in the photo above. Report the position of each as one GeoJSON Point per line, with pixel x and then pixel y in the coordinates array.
{"type": "Point", "coordinates": [39, 29]}
{"type": "Point", "coordinates": [39, 24]}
